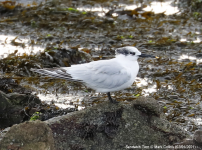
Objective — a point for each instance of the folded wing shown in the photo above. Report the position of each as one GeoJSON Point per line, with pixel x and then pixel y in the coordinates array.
{"type": "Point", "coordinates": [104, 74]}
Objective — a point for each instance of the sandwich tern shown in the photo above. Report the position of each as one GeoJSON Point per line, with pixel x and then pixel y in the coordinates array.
{"type": "Point", "coordinates": [103, 75]}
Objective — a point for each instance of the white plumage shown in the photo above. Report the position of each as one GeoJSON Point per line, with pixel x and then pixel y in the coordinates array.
{"type": "Point", "coordinates": [103, 75]}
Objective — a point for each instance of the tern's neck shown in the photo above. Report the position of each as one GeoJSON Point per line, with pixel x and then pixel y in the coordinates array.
{"type": "Point", "coordinates": [120, 56]}
{"type": "Point", "coordinates": [130, 64]}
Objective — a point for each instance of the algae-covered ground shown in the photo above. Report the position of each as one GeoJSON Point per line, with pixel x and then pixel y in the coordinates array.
{"type": "Point", "coordinates": [31, 36]}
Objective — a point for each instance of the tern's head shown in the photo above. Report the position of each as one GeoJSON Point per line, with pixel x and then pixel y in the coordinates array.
{"type": "Point", "coordinates": [130, 53]}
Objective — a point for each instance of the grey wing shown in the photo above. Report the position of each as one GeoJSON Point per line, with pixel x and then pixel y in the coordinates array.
{"type": "Point", "coordinates": [54, 72]}
{"type": "Point", "coordinates": [104, 74]}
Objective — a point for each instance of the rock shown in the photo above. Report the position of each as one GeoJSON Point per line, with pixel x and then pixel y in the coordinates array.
{"type": "Point", "coordinates": [98, 21]}
{"type": "Point", "coordinates": [168, 77]}
{"type": "Point", "coordinates": [34, 135]}
{"type": "Point", "coordinates": [198, 138]}
{"type": "Point", "coordinates": [200, 65]}
{"type": "Point", "coordinates": [3, 133]}
{"type": "Point", "coordinates": [20, 99]}
{"type": "Point", "coordinates": [87, 21]}
{"type": "Point", "coordinates": [109, 20]}
{"type": "Point", "coordinates": [150, 107]}
{"type": "Point", "coordinates": [93, 27]}
{"type": "Point", "coordinates": [195, 143]}
{"type": "Point", "coordinates": [12, 107]}
{"type": "Point", "coordinates": [106, 125]}
{"type": "Point", "coordinates": [4, 103]}
{"type": "Point", "coordinates": [111, 41]}
{"type": "Point", "coordinates": [186, 60]}
{"type": "Point", "coordinates": [173, 96]}
{"type": "Point", "coordinates": [199, 55]}
{"type": "Point", "coordinates": [186, 144]}
{"type": "Point", "coordinates": [9, 114]}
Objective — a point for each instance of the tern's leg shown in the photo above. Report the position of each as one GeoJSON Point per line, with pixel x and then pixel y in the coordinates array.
{"type": "Point", "coordinates": [110, 98]}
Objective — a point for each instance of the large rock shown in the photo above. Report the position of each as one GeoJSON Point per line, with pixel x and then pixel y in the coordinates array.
{"type": "Point", "coordinates": [107, 126]}
{"type": "Point", "coordinates": [13, 107]}
{"type": "Point", "coordinates": [195, 143]}
{"type": "Point", "coordinates": [28, 136]}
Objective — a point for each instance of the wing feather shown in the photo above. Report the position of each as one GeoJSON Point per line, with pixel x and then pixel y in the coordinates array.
{"type": "Point", "coordinates": [104, 74]}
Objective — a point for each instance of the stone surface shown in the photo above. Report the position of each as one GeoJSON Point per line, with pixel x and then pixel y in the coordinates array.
{"type": "Point", "coordinates": [148, 106]}
{"type": "Point", "coordinates": [188, 144]}
{"type": "Point", "coordinates": [28, 136]}
{"type": "Point", "coordinates": [4, 102]}
{"type": "Point", "coordinates": [12, 107]}
{"type": "Point", "coordinates": [104, 126]}
{"type": "Point", "coordinates": [198, 138]}
{"type": "Point", "coordinates": [173, 96]}
{"type": "Point", "coordinates": [114, 127]}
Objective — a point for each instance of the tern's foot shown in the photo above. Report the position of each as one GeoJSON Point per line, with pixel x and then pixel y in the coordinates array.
{"type": "Point", "coordinates": [113, 101]}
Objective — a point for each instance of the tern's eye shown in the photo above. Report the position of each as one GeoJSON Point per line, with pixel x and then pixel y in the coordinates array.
{"type": "Point", "coordinates": [132, 53]}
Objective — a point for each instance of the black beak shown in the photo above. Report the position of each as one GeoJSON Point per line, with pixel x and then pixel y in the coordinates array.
{"type": "Point", "coordinates": [145, 55]}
